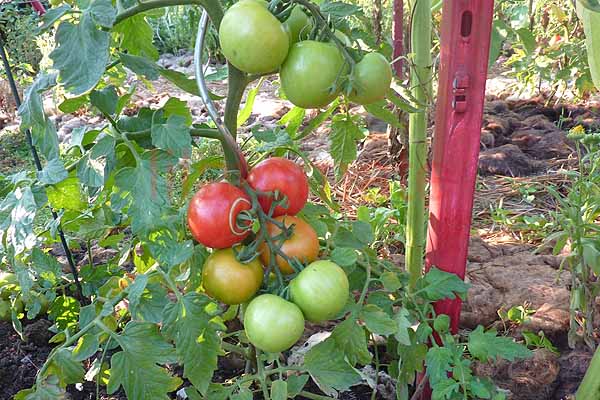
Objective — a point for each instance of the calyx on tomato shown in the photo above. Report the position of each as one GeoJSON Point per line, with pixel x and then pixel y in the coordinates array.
{"type": "Point", "coordinates": [282, 176]}
{"type": "Point", "coordinates": [213, 212]}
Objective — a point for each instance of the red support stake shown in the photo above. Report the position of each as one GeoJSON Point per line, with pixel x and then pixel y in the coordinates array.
{"type": "Point", "coordinates": [465, 41]}
{"type": "Point", "coordinates": [38, 7]}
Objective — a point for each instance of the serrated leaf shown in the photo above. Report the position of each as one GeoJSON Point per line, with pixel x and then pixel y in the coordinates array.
{"type": "Point", "coordinates": [242, 394]}
{"type": "Point", "coordinates": [137, 36]}
{"type": "Point", "coordinates": [43, 131]}
{"type": "Point", "coordinates": [344, 256]}
{"type": "Point", "coordinates": [292, 120]}
{"type": "Point", "coordinates": [439, 363]}
{"type": "Point", "coordinates": [340, 9]}
{"type": "Point", "coordinates": [66, 195]}
{"type": "Point", "coordinates": [168, 249]}
{"type": "Point", "coordinates": [246, 111]}
{"type": "Point", "coordinates": [279, 390]}
{"type": "Point", "coordinates": [196, 341]}
{"type": "Point", "coordinates": [487, 346]}
{"type": "Point", "coordinates": [390, 281]}
{"type": "Point", "coordinates": [81, 54]}
{"type": "Point", "coordinates": [46, 266]}
{"type": "Point", "coordinates": [52, 15]}
{"type": "Point", "coordinates": [174, 106]}
{"type": "Point", "coordinates": [377, 321]}
{"type": "Point", "coordinates": [105, 99]}
{"type": "Point", "coordinates": [172, 135]}
{"type": "Point", "coordinates": [137, 366]}
{"type": "Point", "coordinates": [345, 134]}
{"type": "Point", "coordinates": [403, 325]}
{"type": "Point", "coordinates": [379, 109]}
{"type": "Point", "coordinates": [102, 12]}
{"type": "Point", "coordinates": [351, 338]}
{"type": "Point", "coordinates": [445, 389]}
{"type": "Point", "coordinates": [329, 368]}
{"type": "Point", "coordinates": [438, 285]}
{"type": "Point", "coordinates": [87, 346]}
{"type": "Point", "coordinates": [295, 384]}
{"type": "Point", "coordinates": [54, 172]}
{"type": "Point", "coordinates": [271, 140]}
{"type": "Point", "coordinates": [65, 367]}
{"type": "Point", "coordinates": [73, 104]}
{"type": "Point", "coordinates": [94, 168]}
{"type": "Point", "coordinates": [49, 389]}
{"type": "Point", "coordinates": [64, 311]}
{"type": "Point", "coordinates": [318, 120]}
{"type": "Point", "coordinates": [17, 213]}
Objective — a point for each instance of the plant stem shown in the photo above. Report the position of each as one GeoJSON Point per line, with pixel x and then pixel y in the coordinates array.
{"type": "Point", "coordinates": [313, 396]}
{"type": "Point", "coordinates": [590, 386]}
{"type": "Point", "coordinates": [235, 91]}
{"type": "Point", "coordinates": [420, 79]}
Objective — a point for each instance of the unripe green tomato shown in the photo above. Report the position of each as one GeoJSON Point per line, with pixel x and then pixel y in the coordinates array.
{"type": "Point", "coordinates": [298, 25]}
{"type": "Point", "coordinates": [321, 290]}
{"type": "Point", "coordinates": [252, 39]}
{"type": "Point", "coordinates": [441, 324]}
{"type": "Point", "coordinates": [310, 73]}
{"type": "Point", "coordinates": [273, 324]}
{"type": "Point", "coordinates": [371, 79]}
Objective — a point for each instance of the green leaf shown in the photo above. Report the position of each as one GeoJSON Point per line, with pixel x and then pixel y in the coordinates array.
{"type": "Point", "coordinates": [136, 368]}
{"type": "Point", "coordinates": [66, 195]}
{"type": "Point", "coordinates": [102, 12]}
{"type": "Point", "coordinates": [73, 104]}
{"type": "Point", "coordinates": [242, 394]}
{"type": "Point", "coordinates": [54, 172]}
{"type": "Point", "coordinates": [379, 109]}
{"type": "Point", "coordinates": [445, 389]}
{"type": "Point", "coordinates": [279, 390]}
{"type": "Point", "coordinates": [46, 266]}
{"type": "Point", "coordinates": [293, 119]}
{"type": "Point", "coordinates": [148, 194]}
{"type": "Point", "coordinates": [189, 325]}
{"type": "Point", "coordinates": [49, 389]}
{"type": "Point", "coordinates": [340, 9]}
{"type": "Point", "coordinates": [351, 338]}
{"type": "Point", "coordinates": [172, 135]}
{"type": "Point", "coordinates": [136, 37]}
{"type": "Point", "coordinates": [17, 213]}
{"type": "Point", "coordinates": [345, 133]}
{"type": "Point", "coordinates": [94, 168]}
{"type": "Point", "coordinates": [64, 311]}
{"type": "Point", "coordinates": [52, 15]}
{"type": "Point", "coordinates": [377, 321]}
{"type": "Point", "coordinates": [329, 368]}
{"type": "Point", "coordinates": [499, 34]}
{"type": "Point", "coordinates": [528, 40]}
{"type": "Point", "coordinates": [318, 120]}
{"type": "Point", "coordinates": [403, 327]}
{"type": "Point", "coordinates": [487, 346]}
{"type": "Point", "coordinates": [344, 256]}
{"type": "Point", "coordinates": [151, 303]}
{"type": "Point", "coordinates": [390, 281]}
{"type": "Point", "coordinates": [174, 106]}
{"type": "Point", "coordinates": [168, 249]}
{"type": "Point", "coordinates": [439, 363]}
{"type": "Point", "coordinates": [438, 285]}
{"type": "Point", "coordinates": [81, 55]}
{"type": "Point", "coordinates": [32, 115]}
{"type": "Point", "coordinates": [246, 112]}
{"type": "Point", "coordinates": [592, 5]}
{"type": "Point", "coordinates": [591, 27]}
{"type": "Point", "coordinates": [196, 171]}
{"type": "Point", "coordinates": [272, 139]}
{"type": "Point", "coordinates": [65, 367]}
{"type": "Point", "coordinates": [295, 384]}
{"type": "Point", "coordinates": [140, 65]}
{"type": "Point", "coordinates": [87, 346]}
{"type": "Point", "coordinates": [105, 99]}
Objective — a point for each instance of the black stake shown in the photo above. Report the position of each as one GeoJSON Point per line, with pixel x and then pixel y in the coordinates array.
{"type": "Point", "coordinates": [38, 166]}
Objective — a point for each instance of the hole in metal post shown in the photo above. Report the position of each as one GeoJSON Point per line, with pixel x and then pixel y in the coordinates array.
{"type": "Point", "coordinates": [466, 24]}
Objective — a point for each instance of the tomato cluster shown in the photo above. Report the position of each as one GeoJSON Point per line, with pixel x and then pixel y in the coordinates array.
{"type": "Point", "coordinates": [311, 72]}
{"type": "Point", "coordinates": [283, 241]}
{"type": "Point", "coordinates": [9, 287]}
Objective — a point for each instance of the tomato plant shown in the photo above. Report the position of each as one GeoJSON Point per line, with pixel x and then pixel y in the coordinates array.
{"type": "Point", "coordinates": [282, 176]}
{"type": "Point", "coordinates": [371, 80]}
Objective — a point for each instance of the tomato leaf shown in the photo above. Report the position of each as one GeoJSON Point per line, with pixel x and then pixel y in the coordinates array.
{"type": "Point", "coordinates": [351, 338]}
{"type": "Point", "coordinates": [293, 119]}
{"type": "Point", "coordinates": [246, 112]}
{"type": "Point", "coordinates": [329, 368]}
{"type": "Point", "coordinates": [345, 133]}
{"type": "Point", "coordinates": [136, 368]}
{"type": "Point", "coordinates": [168, 249]}
{"type": "Point", "coordinates": [279, 390]}
{"type": "Point", "coordinates": [86, 346]}
{"type": "Point", "coordinates": [32, 115]}
{"type": "Point", "coordinates": [48, 390]}
{"type": "Point", "coordinates": [487, 346]}
{"type": "Point", "coordinates": [403, 324]}
{"type": "Point", "coordinates": [295, 384]}
{"type": "Point", "coordinates": [54, 172]}
{"type": "Point", "coordinates": [344, 256]}
{"type": "Point", "coordinates": [102, 12]}
{"type": "Point", "coordinates": [17, 212]}
{"type": "Point", "coordinates": [81, 55]}
{"type": "Point", "coordinates": [94, 168]}
{"type": "Point", "coordinates": [438, 285]}
{"type": "Point", "coordinates": [196, 341]}
{"type": "Point", "coordinates": [52, 15]}
{"type": "Point", "coordinates": [591, 27]}
{"type": "Point", "coordinates": [175, 106]}
{"type": "Point", "coordinates": [66, 195]}
{"type": "Point", "coordinates": [105, 99]}
{"type": "Point", "coordinates": [65, 367]}
{"type": "Point", "coordinates": [439, 363]}
{"type": "Point", "coordinates": [172, 135]}
{"type": "Point", "coordinates": [379, 110]}
{"type": "Point", "coordinates": [136, 36]}
{"type": "Point", "coordinates": [377, 321]}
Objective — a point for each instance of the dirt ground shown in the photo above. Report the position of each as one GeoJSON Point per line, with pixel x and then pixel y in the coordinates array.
{"type": "Point", "coordinates": [523, 143]}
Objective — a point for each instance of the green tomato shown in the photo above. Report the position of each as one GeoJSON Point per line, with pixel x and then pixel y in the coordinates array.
{"type": "Point", "coordinates": [273, 324]}
{"type": "Point", "coordinates": [252, 39]}
{"type": "Point", "coordinates": [310, 73]}
{"type": "Point", "coordinates": [298, 25]}
{"type": "Point", "coordinates": [5, 314]}
{"type": "Point", "coordinates": [321, 290]}
{"type": "Point", "coordinates": [371, 79]}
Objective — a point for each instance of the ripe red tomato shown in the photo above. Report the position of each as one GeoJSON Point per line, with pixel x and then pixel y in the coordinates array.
{"type": "Point", "coordinates": [212, 215]}
{"type": "Point", "coordinates": [284, 176]}
{"type": "Point", "coordinates": [228, 280]}
{"type": "Point", "coordinates": [321, 290]}
{"type": "Point", "coordinates": [303, 244]}
{"type": "Point", "coordinates": [273, 324]}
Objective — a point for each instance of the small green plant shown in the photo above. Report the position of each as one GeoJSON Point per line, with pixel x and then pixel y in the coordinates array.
{"type": "Point", "coordinates": [539, 341]}
{"type": "Point", "coordinates": [577, 217]}
{"type": "Point", "coordinates": [517, 315]}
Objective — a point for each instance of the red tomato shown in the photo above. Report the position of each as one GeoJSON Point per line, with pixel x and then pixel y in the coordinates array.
{"type": "Point", "coordinates": [284, 176]}
{"type": "Point", "coordinates": [212, 215]}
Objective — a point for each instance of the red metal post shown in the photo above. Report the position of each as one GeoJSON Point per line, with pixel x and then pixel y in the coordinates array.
{"type": "Point", "coordinates": [39, 7]}
{"type": "Point", "coordinates": [465, 41]}
{"type": "Point", "coordinates": [398, 37]}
